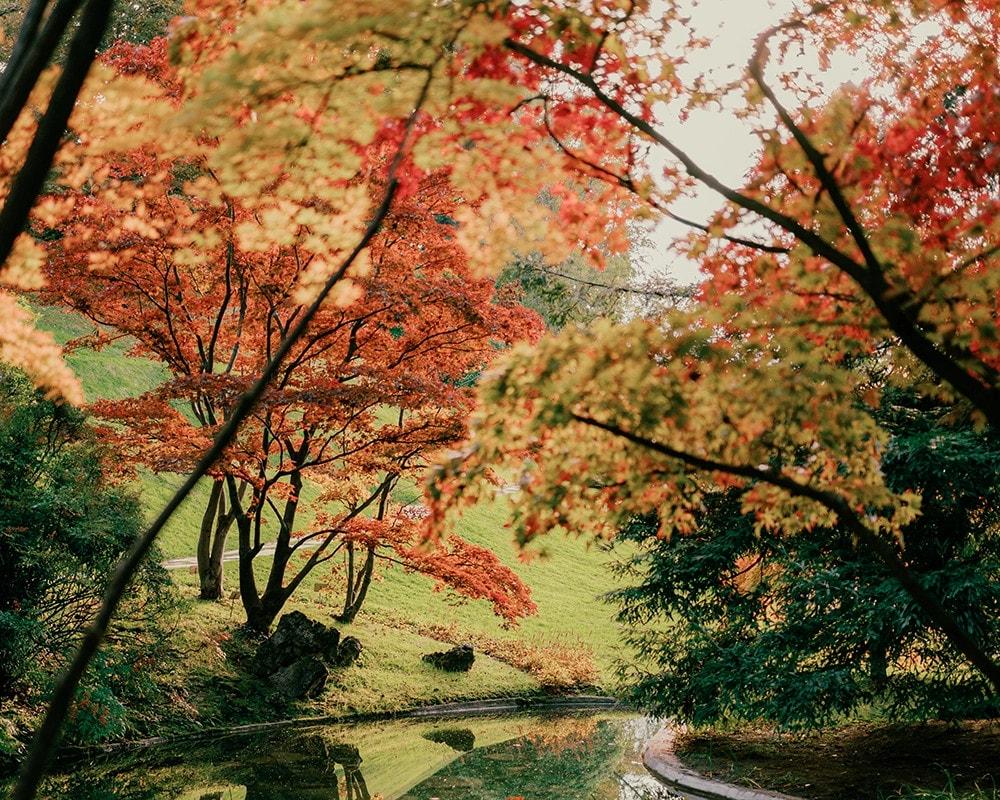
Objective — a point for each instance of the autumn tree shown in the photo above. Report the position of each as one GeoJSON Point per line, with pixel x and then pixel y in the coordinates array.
{"type": "Point", "coordinates": [403, 350]}
{"type": "Point", "coordinates": [867, 231]}
{"type": "Point", "coordinates": [202, 285]}
{"type": "Point", "coordinates": [809, 629]}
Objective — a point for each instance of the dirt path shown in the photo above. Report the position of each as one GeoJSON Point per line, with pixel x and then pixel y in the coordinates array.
{"type": "Point", "coordinates": [191, 562]}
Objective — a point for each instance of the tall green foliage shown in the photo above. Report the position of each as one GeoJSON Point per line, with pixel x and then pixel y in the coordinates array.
{"type": "Point", "coordinates": [572, 292]}
{"type": "Point", "coordinates": [63, 525]}
{"type": "Point", "coordinates": [808, 629]}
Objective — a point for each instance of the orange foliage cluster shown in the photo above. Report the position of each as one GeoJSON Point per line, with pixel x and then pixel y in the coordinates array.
{"type": "Point", "coordinates": [209, 283]}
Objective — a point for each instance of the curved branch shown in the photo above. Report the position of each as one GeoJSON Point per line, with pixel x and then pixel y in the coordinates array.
{"type": "Point", "coordinates": [816, 158]}
{"type": "Point", "coordinates": [628, 183]}
{"type": "Point", "coordinates": [927, 602]}
{"type": "Point", "coordinates": [944, 361]}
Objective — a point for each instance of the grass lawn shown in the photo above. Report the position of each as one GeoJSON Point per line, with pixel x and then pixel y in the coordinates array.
{"type": "Point", "coordinates": [566, 582]}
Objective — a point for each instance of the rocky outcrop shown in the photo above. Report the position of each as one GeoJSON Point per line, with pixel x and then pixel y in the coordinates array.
{"type": "Point", "coordinates": [347, 653]}
{"type": "Point", "coordinates": [302, 679]}
{"type": "Point", "coordinates": [458, 659]}
{"type": "Point", "coordinates": [296, 658]}
{"type": "Point", "coordinates": [295, 636]}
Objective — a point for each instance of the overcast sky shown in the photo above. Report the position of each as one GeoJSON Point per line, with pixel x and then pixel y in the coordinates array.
{"type": "Point", "coordinates": [715, 139]}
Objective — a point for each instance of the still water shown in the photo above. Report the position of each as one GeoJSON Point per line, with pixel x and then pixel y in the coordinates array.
{"type": "Point", "coordinates": [593, 756]}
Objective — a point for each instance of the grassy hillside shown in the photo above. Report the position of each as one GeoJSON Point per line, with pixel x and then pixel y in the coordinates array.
{"type": "Point", "coordinates": [403, 610]}
{"type": "Point", "coordinates": [111, 373]}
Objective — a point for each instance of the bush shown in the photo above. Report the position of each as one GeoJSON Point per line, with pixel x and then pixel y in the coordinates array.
{"type": "Point", "coordinates": [64, 522]}
{"type": "Point", "coordinates": [807, 630]}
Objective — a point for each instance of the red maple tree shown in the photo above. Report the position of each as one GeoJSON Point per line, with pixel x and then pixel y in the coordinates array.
{"type": "Point", "coordinates": [382, 380]}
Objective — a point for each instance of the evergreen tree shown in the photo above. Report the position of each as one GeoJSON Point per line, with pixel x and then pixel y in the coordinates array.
{"type": "Point", "coordinates": [803, 630]}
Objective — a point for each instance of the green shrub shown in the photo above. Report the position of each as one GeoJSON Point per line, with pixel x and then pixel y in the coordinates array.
{"type": "Point", "coordinates": [64, 523]}
{"type": "Point", "coordinates": [809, 629]}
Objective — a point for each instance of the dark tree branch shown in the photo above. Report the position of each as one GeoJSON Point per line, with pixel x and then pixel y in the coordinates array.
{"type": "Point", "coordinates": [927, 602]}
{"type": "Point", "coordinates": [33, 51]}
{"type": "Point", "coordinates": [662, 294]}
{"type": "Point", "coordinates": [626, 182]}
{"type": "Point", "coordinates": [948, 363]}
{"type": "Point", "coordinates": [816, 158]}
{"type": "Point", "coordinates": [25, 38]}
{"type": "Point", "coordinates": [52, 126]}
{"type": "Point", "coordinates": [48, 732]}
{"type": "Point", "coordinates": [806, 236]}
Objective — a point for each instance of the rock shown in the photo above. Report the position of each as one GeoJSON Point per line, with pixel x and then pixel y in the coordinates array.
{"type": "Point", "coordinates": [295, 637]}
{"type": "Point", "coordinates": [296, 656]}
{"type": "Point", "coordinates": [458, 659]}
{"type": "Point", "coordinates": [305, 678]}
{"type": "Point", "coordinates": [330, 644]}
{"type": "Point", "coordinates": [347, 653]}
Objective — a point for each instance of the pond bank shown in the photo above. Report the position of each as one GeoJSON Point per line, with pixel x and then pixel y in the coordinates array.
{"type": "Point", "coordinates": [660, 758]}
{"type": "Point", "coordinates": [490, 706]}
{"type": "Point", "coordinates": [863, 761]}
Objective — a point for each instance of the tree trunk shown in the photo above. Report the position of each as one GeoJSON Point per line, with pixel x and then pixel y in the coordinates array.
{"type": "Point", "coordinates": [256, 620]}
{"type": "Point", "coordinates": [209, 578]}
{"type": "Point", "coordinates": [262, 608]}
{"type": "Point", "coordinates": [262, 614]}
{"type": "Point", "coordinates": [357, 588]}
{"type": "Point", "coordinates": [215, 524]}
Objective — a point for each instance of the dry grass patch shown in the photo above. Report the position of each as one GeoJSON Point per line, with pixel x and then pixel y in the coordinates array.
{"type": "Point", "coordinates": [558, 666]}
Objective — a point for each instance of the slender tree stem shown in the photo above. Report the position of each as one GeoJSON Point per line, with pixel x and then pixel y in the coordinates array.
{"type": "Point", "coordinates": [25, 39]}
{"type": "Point", "coordinates": [29, 181]}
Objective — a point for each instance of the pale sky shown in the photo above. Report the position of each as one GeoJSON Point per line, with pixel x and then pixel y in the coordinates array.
{"type": "Point", "coordinates": [716, 140]}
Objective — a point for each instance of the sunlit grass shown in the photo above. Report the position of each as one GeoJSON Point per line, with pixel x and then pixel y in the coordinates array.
{"type": "Point", "coordinates": [566, 584]}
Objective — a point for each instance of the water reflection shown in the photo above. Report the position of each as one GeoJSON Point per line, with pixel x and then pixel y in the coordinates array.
{"type": "Point", "coordinates": [570, 757]}
{"type": "Point", "coordinates": [461, 739]}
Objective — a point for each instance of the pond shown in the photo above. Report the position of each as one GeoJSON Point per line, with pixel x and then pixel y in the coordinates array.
{"type": "Point", "coordinates": [579, 756]}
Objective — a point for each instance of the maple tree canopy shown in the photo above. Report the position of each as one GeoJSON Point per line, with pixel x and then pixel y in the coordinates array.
{"type": "Point", "coordinates": [209, 284]}
{"type": "Point", "coordinates": [866, 235]}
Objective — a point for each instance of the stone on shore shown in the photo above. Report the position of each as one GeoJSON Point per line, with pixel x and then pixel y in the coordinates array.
{"type": "Point", "coordinates": [457, 659]}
